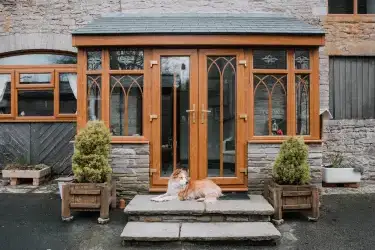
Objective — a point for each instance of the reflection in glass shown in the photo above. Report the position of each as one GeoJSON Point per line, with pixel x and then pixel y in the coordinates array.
{"type": "Point", "coordinates": [42, 78]}
{"type": "Point", "coordinates": [35, 103]}
{"type": "Point", "coordinates": [175, 80]}
{"type": "Point", "coordinates": [221, 126]}
{"type": "Point", "coordinates": [302, 59]}
{"type": "Point", "coordinates": [94, 60]}
{"type": "Point", "coordinates": [366, 6]}
{"type": "Point", "coordinates": [67, 93]}
{"type": "Point", "coordinates": [93, 97]}
{"type": "Point", "coordinates": [303, 104]}
{"type": "Point", "coordinates": [38, 59]}
{"type": "Point", "coordinates": [270, 59]}
{"type": "Point", "coordinates": [5, 94]}
{"type": "Point", "coordinates": [126, 59]}
{"type": "Point", "coordinates": [126, 94]}
{"type": "Point", "coordinates": [270, 104]}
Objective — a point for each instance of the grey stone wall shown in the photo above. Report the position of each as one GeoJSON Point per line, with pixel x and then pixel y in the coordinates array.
{"type": "Point", "coordinates": [130, 165]}
{"type": "Point", "coordinates": [355, 139]}
{"type": "Point", "coordinates": [262, 156]}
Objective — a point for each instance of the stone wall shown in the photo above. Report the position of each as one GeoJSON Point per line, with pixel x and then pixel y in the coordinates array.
{"type": "Point", "coordinates": [262, 156]}
{"type": "Point", "coordinates": [130, 165]}
{"type": "Point", "coordinates": [355, 139]}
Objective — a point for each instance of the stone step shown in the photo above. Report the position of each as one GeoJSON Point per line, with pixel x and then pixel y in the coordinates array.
{"type": "Point", "coordinates": [141, 208]}
{"type": "Point", "coordinates": [256, 232]}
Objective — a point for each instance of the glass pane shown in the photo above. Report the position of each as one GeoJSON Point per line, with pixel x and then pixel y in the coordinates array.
{"type": "Point", "coordinates": [5, 93]}
{"type": "Point", "coordinates": [44, 78]}
{"type": "Point", "coordinates": [35, 103]}
{"type": "Point", "coordinates": [175, 79]}
{"type": "Point", "coordinates": [94, 60]}
{"type": "Point", "coordinates": [68, 93]}
{"type": "Point", "coordinates": [366, 6]}
{"type": "Point", "coordinates": [270, 59]}
{"type": "Point", "coordinates": [38, 59]}
{"type": "Point", "coordinates": [221, 126]}
{"type": "Point", "coordinates": [126, 94]}
{"type": "Point", "coordinates": [270, 104]}
{"type": "Point", "coordinates": [94, 83]}
{"type": "Point", "coordinates": [340, 6]}
{"type": "Point", "coordinates": [303, 104]}
{"type": "Point", "coordinates": [126, 59]}
{"type": "Point", "coordinates": [302, 59]}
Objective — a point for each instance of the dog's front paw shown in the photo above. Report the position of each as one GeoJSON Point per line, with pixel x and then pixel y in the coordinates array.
{"type": "Point", "coordinates": [155, 199]}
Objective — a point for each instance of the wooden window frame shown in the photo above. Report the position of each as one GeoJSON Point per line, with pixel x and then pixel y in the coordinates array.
{"type": "Point", "coordinates": [354, 15]}
{"type": "Point", "coordinates": [54, 70]}
{"type": "Point", "coordinates": [291, 72]}
{"type": "Point", "coordinates": [106, 73]}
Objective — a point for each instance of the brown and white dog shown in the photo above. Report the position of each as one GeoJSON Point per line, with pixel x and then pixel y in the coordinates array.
{"type": "Point", "coordinates": [180, 187]}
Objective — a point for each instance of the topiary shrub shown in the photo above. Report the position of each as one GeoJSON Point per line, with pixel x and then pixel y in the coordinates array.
{"type": "Point", "coordinates": [291, 166]}
{"type": "Point", "coordinates": [91, 154]}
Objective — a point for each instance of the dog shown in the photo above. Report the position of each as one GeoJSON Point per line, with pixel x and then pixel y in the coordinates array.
{"type": "Point", "coordinates": [201, 190]}
{"type": "Point", "coordinates": [179, 187]}
{"type": "Point", "coordinates": [177, 181]}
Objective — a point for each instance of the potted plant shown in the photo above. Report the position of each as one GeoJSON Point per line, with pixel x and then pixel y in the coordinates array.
{"type": "Point", "coordinates": [92, 188]}
{"type": "Point", "coordinates": [339, 173]}
{"type": "Point", "coordinates": [23, 170]}
{"type": "Point", "coordinates": [289, 189]}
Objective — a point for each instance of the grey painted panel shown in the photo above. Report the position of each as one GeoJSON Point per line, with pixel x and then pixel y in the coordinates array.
{"type": "Point", "coordinates": [352, 87]}
{"type": "Point", "coordinates": [47, 143]}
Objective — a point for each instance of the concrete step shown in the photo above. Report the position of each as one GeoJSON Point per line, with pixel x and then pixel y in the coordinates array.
{"type": "Point", "coordinates": [255, 232]}
{"type": "Point", "coordinates": [141, 208]}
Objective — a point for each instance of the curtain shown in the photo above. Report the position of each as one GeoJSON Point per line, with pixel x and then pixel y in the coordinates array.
{"type": "Point", "coordinates": [4, 79]}
{"type": "Point", "coordinates": [72, 78]}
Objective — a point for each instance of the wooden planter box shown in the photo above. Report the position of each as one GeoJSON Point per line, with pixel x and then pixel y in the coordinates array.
{"type": "Point", "coordinates": [88, 197]}
{"type": "Point", "coordinates": [286, 198]}
{"type": "Point", "coordinates": [37, 175]}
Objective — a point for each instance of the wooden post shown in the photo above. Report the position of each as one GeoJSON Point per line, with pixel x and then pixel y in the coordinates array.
{"type": "Point", "coordinates": [104, 204]}
{"type": "Point", "coordinates": [314, 204]}
{"type": "Point", "coordinates": [65, 203]}
{"type": "Point", "coordinates": [278, 206]}
{"type": "Point", "coordinates": [113, 195]}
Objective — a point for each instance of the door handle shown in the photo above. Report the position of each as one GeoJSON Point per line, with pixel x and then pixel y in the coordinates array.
{"type": "Point", "coordinates": [153, 116]}
{"type": "Point", "coordinates": [192, 111]}
{"type": "Point", "coordinates": [244, 117]}
{"type": "Point", "coordinates": [204, 111]}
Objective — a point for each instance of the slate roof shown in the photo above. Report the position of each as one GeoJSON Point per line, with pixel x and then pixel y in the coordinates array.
{"type": "Point", "coordinates": [199, 24]}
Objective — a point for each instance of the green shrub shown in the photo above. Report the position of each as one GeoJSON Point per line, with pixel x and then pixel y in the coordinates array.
{"type": "Point", "coordinates": [91, 153]}
{"type": "Point", "coordinates": [291, 166]}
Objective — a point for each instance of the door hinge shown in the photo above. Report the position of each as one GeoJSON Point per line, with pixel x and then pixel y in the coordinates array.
{"type": "Point", "coordinates": [244, 170]}
{"type": "Point", "coordinates": [153, 62]}
{"type": "Point", "coordinates": [152, 171]}
{"type": "Point", "coordinates": [243, 62]}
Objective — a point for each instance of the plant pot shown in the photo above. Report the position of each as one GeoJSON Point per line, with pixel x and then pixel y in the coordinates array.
{"type": "Point", "coordinates": [286, 198]}
{"type": "Point", "coordinates": [88, 197]}
{"type": "Point", "coordinates": [341, 175]}
{"type": "Point", "coordinates": [37, 175]}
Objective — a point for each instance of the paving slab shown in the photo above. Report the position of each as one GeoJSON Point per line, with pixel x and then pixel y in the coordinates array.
{"type": "Point", "coordinates": [256, 205]}
{"type": "Point", "coordinates": [229, 231]}
{"type": "Point", "coordinates": [156, 231]}
{"type": "Point", "coordinates": [142, 204]}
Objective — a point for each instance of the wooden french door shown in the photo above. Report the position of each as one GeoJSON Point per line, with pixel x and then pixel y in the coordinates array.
{"type": "Point", "coordinates": [199, 116]}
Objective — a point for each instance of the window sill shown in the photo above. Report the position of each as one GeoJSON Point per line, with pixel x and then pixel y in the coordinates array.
{"type": "Point", "coordinates": [129, 139]}
{"type": "Point", "coordinates": [281, 140]}
{"type": "Point", "coordinates": [350, 18]}
{"type": "Point", "coordinates": [36, 119]}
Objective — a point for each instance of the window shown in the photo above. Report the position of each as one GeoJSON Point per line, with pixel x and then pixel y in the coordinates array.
{"type": "Point", "coordinates": [281, 88]}
{"type": "Point", "coordinates": [115, 91]}
{"type": "Point", "coordinates": [351, 6]}
{"type": "Point", "coordinates": [44, 87]}
{"type": "Point", "coordinates": [352, 84]}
